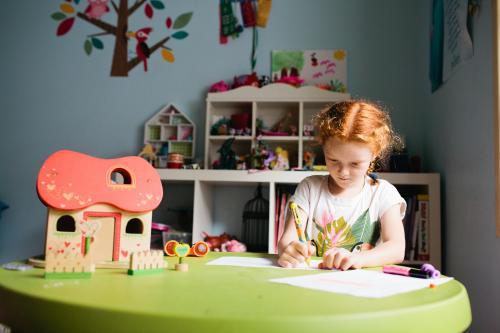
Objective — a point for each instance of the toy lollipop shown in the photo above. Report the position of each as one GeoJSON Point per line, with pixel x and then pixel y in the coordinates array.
{"type": "Point", "coordinates": [181, 250]}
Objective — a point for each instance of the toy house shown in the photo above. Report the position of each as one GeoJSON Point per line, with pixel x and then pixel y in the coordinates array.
{"type": "Point", "coordinates": [170, 131]}
{"type": "Point", "coordinates": [101, 205]}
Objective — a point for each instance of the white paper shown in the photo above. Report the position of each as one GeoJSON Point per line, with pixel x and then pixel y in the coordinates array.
{"type": "Point", "coordinates": [259, 262]}
{"type": "Point", "coordinates": [362, 283]}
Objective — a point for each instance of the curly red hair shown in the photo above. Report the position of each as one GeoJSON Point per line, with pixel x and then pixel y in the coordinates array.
{"type": "Point", "coordinates": [359, 121]}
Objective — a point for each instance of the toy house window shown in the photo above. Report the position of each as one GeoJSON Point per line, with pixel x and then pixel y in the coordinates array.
{"type": "Point", "coordinates": [134, 226]}
{"type": "Point", "coordinates": [66, 223]}
{"type": "Point", "coordinates": [121, 177]}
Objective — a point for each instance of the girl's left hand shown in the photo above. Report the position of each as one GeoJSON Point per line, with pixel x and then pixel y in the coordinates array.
{"type": "Point", "coordinates": [341, 258]}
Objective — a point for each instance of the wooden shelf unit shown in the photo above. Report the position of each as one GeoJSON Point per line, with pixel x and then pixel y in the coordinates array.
{"type": "Point", "coordinates": [269, 104]}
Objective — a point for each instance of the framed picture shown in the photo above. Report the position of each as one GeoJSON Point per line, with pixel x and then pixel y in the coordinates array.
{"type": "Point", "coordinates": [315, 67]}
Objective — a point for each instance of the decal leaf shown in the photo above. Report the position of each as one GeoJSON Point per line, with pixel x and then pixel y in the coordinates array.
{"type": "Point", "coordinates": [157, 4]}
{"type": "Point", "coordinates": [168, 23]}
{"type": "Point", "coordinates": [148, 11]}
{"type": "Point", "coordinates": [58, 16]}
{"type": "Point", "coordinates": [67, 8]}
{"type": "Point", "coordinates": [182, 20]}
{"type": "Point", "coordinates": [65, 26]}
{"type": "Point", "coordinates": [97, 43]}
{"type": "Point", "coordinates": [180, 35]}
{"type": "Point", "coordinates": [87, 46]}
{"type": "Point", "coordinates": [77, 1]}
{"type": "Point", "coordinates": [167, 55]}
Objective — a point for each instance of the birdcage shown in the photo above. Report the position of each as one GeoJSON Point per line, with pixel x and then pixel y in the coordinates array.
{"type": "Point", "coordinates": [256, 222]}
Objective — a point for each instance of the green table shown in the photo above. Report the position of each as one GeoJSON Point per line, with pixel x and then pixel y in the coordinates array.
{"type": "Point", "coordinates": [217, 299]}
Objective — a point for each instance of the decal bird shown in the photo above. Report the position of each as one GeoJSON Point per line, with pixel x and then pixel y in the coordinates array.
{"type": "Point", "coordinates": [142, 49]}
{"type": "Point", "coordinates": [97, 8]}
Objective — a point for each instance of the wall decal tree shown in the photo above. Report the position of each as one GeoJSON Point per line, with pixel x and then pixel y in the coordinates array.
{"type": "Point", "coordinates": [93, 14]}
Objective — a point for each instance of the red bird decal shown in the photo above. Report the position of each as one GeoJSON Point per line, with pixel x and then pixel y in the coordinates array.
{"type": "Point", "coordinates": [142, 49]}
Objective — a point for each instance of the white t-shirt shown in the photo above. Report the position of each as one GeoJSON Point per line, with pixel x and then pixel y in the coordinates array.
{"type": "Point", "coordinates": [351, 223]}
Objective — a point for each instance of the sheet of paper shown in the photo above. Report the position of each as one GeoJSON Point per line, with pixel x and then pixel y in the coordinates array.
{"type": "Point", "coordinates": [363, 283]}
{"type": "Point", "coordinates": [258, 262]}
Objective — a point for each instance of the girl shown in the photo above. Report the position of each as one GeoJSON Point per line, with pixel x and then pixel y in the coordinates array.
{"type": "Point", "coordinates": [354, 220]}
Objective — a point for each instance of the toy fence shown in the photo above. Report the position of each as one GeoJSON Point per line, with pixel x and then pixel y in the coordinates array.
{"type": "Point", "coordinates": [152, 259]}
{"type": "Point", "coordinates": [68, 263]}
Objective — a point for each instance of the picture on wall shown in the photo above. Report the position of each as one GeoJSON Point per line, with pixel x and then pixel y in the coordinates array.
{"type": "Point", "coordinates": [315, 67]}
{"type": "Point", "coordinates": [102, 15]}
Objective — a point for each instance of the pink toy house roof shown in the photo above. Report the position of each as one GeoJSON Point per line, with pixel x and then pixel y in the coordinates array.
{"type": "Point", "coordinates": [71, 181]}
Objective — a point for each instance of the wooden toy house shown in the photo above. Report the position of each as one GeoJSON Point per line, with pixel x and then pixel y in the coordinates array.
{"type": "Point", "coordinates": [101, 205]}
{"type": "Point", "coordinates": [171, 131]}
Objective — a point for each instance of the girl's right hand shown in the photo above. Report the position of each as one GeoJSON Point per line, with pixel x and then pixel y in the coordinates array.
{"type": "Point", "coordinates": [295, 253]}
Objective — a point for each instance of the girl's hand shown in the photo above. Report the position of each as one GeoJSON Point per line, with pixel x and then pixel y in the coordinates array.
{"type": "Point", "coordinates": [341, 258]}
{"type": "Point", "coordinates": [295, 253]}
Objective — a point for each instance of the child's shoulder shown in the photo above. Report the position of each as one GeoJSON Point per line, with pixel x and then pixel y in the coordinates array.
{"type": "Point", "coordinates": [315, 179]}
{"type": "Point", "coordinates": [382, 185]}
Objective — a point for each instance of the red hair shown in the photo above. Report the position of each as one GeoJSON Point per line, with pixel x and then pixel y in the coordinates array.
{"type": "Point", "coordinates": [358, 121]}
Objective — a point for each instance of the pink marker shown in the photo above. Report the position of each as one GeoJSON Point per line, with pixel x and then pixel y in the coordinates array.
{"type": "Point", "coordinates": [405, 271]}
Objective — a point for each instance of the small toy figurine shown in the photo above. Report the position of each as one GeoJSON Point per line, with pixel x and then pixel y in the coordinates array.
{"type": "Point", "coordinates": [181, 250]}
{"type": "Point", "coordinates": [219, 87]}
{"type": "Point", "coordinates": [233, 246]}
{"type": "Point", "coordinates": [215, 242]}
{"type": "Point", "coordinates": [227, 158]}
{"type": "Point", "coordinates": [308, 130]}
{"type": "Point", "coordinates": [309, 160]}
{"type": "Point", "coordinates": [246, 80]}
{"type": "Point", "coordinates": [148, 153]}
{"type": "Point", "coordinates": [282, 162]}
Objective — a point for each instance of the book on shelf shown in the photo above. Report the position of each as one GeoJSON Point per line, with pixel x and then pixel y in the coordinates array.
{"type": "Point", "coordinates": [423, 252]}
{"type": "Point", "coordinates": [416, 223]}
{"type": "Point", "coordinates": [283, 194]}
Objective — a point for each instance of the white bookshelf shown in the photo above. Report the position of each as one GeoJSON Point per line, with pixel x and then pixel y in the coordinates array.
{"type": "Point", "coordinates": [206, 181]}
{"type": "Point", "coordinates": [269, 104]}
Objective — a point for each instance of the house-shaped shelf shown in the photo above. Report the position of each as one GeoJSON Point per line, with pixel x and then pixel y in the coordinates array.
{"type": "Point", "coordinates": [171, 131]}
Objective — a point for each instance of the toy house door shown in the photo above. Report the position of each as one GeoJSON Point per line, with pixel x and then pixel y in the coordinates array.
{"type": "Point", "coordinates": [105, 245]}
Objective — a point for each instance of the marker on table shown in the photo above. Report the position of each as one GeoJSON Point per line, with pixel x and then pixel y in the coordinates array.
{"type": "Point", "coordinates": [298, 227]}
{"type": "Point", "coordinates": [405, 271]}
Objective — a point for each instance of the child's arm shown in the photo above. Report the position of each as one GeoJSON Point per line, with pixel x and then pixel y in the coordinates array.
{"type": "Point", "coordinates": [291, 252]}
{"type": "Point", "coordinates": [390, 251]}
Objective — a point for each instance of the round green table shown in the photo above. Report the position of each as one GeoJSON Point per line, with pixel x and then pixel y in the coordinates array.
{"type": "Point", "coordinates": [217, 299]}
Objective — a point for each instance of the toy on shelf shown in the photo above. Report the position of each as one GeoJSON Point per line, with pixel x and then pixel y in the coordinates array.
{"type": "Point", "coordinates": [148, 153]}
{"type": "Point", "coordinates": [309, 157]}
{"type": "Point", "coordinates": [227, 159]}
{"type": "Point", "coordinates": [230, 243]}
{"type": "Point", "coordinates": [245, 80]}
{"type": "Point", "coordinates": [281, 161]}
{"type": "Point", "coordinates": [308, 130]}
{"type": "Point", "coordinates": [219, 87]}
{"type": "Point", "coordinates": [233, 246]}
{"type": "Point", "coordinates": [60, 265]}
{"type": "Point", "coordinates": [175, 161]}
{"type": "Point", "coordinates": [99, 205]}
{"type": "Point", "coordinates": [286, 125]}
{"type": "Point", "coordinates": [170, 131]}
{"type": "Point", "coordinates": [199, 249]}
{"type": "Point", "coordinates": [181, 250]}
{"type": "Point", "coordinates": [146, 262]}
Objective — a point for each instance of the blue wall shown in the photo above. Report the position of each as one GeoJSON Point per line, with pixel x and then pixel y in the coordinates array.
{"type": "Point", "coordinates": [460, 145]}
{"type": "Point", "coordinates": [55, 96]}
